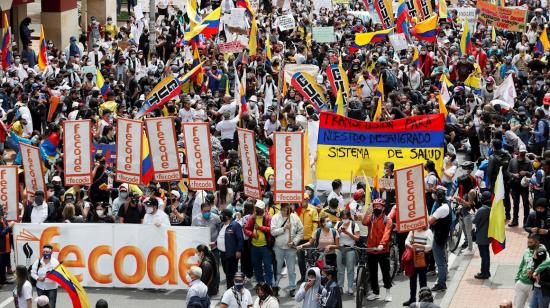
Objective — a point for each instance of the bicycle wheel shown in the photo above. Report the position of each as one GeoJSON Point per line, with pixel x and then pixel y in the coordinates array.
{"type": "Point", "coordinates": [394, 261]}
{"type": "Point", "coordinates": [455, 235]}
{"type": "Point", "coordinates": [362, 286]}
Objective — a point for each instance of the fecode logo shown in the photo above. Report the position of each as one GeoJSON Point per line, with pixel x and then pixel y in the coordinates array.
{"type": "Point", "coordinates": [410, 194]}
{"type": "Point", "coordinates": [77, 150]}
{"type": "Point", "coordinates": [248, 161]}
{"type": "Point", "coordinates": [4, 186]}
{"type": "Point", "coordinates": [162, 146]}
{"type": "Point", "coordinates": [288, 163]}
{"type": "Point", "coordinates": [128, 149]}
{"type": "Point", "coordinates": [32, 173]}
{"type": "Point", "coordinates": [289, 179]}
{"type": "Point", "coordinates": [198, 154]}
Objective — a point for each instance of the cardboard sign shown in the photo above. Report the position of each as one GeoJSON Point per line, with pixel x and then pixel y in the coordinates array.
{"type": "Point", "coordinates": [164, 153]}
{"type": "Point", "coordinates": [398, 41]}
{"type": "Point", "coordinates": [286, 22]}
{"type": "Point", "coordinates": [247, 149]}
{"type": "Point", "coordinates": [77, 149]}
{"type": "Point", "coordinates": [467, 13]}
{"type": "Point", "coordinates": [318, 4]}
{"type": "Point", "coordinates": [505, 18]}
{"type": "Point", "coordinates": [9, 191]}
{"type": "Point", "coordinates": [323, 34]}
{"type": "Point", "coordinates": [231, 47]}
{"type": "Point", "coordinates": [289, 160]}
{"type": "Point", "coordinates": [129, 146]}
{"type": "Point", "coordinates": [198, 151]}
{"type": "Point", "coordinates": [412, 213]}
{"type": "Point", "coordinates": [32, 165]}
{"type": "Point", "coordinates": [237, 17]}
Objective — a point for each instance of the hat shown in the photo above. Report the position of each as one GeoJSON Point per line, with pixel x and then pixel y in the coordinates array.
{"type": "Point", "coordinates": [75, 104]}
{"type": "Point", "coordinates": [73, 39]}
{"type": "Point", "coordinates": [521, 110]}
{"type": "Point", "coordinates": [253, 98]}
{"type": "Point", "coordinates": [56, 178]}
{"type": "Point", "coordinates": [546, 99]}
{"type": "Point", "coordinates": [378, 201]}
{"type": "Point", "coordinates": [141, 97]}
{"type": "Point", "coordinates": [459, 88]}
{"type": "Point", "coordinates": [260, 204]}
{"type": "Point", "coordinates": [311, 186]}
{"type": "Point", "coordinates": [175, 193]}
{"type": "Point", "coordinates": [522, 148]}
{"type": "Point", "coordinates": [42, 300]}
{"type": "Point", "coordinates": [152, 202]}
{"type": "Point", "coordinates": [223, 179]}
{"type": "Point", "coordinates": [490, 79]}
{"type": "Point", "coordinates": [123, 187]}
{"type": "Point", "coordinates": [486, 197]}
{"type": "Point", "coordinates": [358, 195]}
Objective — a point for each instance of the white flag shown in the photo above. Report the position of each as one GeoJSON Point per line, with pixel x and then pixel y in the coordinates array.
{"type": "Point", "coordinates": [507, 91]}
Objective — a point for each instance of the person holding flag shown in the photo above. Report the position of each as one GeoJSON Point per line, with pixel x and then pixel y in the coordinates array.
{"type": "Point", "coordinates": [41, 270]}
{"type": "Point", "coordinates": [481, 221]}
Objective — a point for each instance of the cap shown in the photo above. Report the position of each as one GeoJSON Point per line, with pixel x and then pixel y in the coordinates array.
{"type": "Point", "coordinates": [253, 98]}
{"type": "Point", "coordinates": [142, 97]}
{"type": "Point", "coordinates": [311, 186]}
{"type": "Point", "coordinates": [223, 179]}
{"type": "Point", "coordinates": [56, 178]}
{"type": "Point", "coordinates": [490, 79]}
{"type": "Point", "coordinates": [152, 202]}
{"type": "Point", "coordinates": [123, 187]}
{"type": "Point", "coordinates": [486, 196]}
{"type": "Point", "coordinates": [260, 204]}
{"type": "Point", "coordinates": [175, 193]}
{"type": "Point", "coordinates": [522, 148]}
{"type": "Point", "coordinates": [42, 300]}
{"type": "Point", "coordinates": [73, 39]}
{"type": "Point", "coordinates": [378, 201]}
{"type": "Point", "coordinates": [521, 110]}
{"type": "Point", "coordinates": [358, 195]}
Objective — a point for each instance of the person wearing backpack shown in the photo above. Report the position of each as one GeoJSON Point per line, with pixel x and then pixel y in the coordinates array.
{"type": "Point", "coordinates": [440, 221]}
{"type": "Point", "coordinates": [326, 239]}
{"type": "Point", "coordinates": [380, 227]}
{"type": "Point", "coordinates": [348, 230]}
{"type": "Point", "coordinates": [540, 132]}
{"type": "Point", "coordinates": [197, 295]}
{"type": "Point", "coordinates": [500, 158]}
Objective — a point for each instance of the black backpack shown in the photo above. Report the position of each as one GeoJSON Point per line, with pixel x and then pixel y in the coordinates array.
{"type": "Point", "coordinates": [199, 302]}
{"type": "Point", "coordinates": [391, 83]}
{"type": "Point", "coordinates": [31, 279]}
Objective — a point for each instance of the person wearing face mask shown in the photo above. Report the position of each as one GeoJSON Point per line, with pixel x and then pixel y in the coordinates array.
{"type": "Point", "coordinates": [309, 218]}
{"type": "Point", "coordinates": [38, 211]}
{"type": "Point", "coordinates": [153, 215]}
{"type": "Point", "coordinates": [210, 220]}
{"type": "Point", "coordinates": [95, 56]}
{"type": "Point", "coordinates": [310, 290]}
{"type": "Point", "coordinates": [348, 231]}
{"type": "Point", "coordinates": [538, 221]}
{"type": "Point", "coordinates": [5, 250]}
{"type": "Point", "coordinates": [524, 276]}
{"type": "Point", "coordinates": [331, 295]}
{"type": "Point", "coordinates": [481, 221]}
{"type": "Point", "coordinates": [45, 286]}
{"type": "Point", "coordinates": [121, 200]}
{"type": "Point", "coordinates": [101, 214]}
{"type": "Point", "coordinates": [326, 239]}
{"type": "Point", "coordinates": [440, 221]}
{"type": "Point", "coordinates": [230, 244]}
{"type": "Point", "coordinates": [237, 296]}
{"type": "Point", "coordinates": [197, 294]}
{"type": "Point", "coordinates": [258, 230]}
{"type": "Point", "coordinates": [132, 211]}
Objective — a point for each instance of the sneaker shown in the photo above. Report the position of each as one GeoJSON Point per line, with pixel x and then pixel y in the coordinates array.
{"type": "Point", "coordinates": [465, 245]}
{"type": "Point", "coordinates": [373, 296]}
{"type": "Point", "coordinates": [284, 272]}
{"type": "Point", "coordinates": [349, 291]}
{"type": "Point", "coordinates": [467, 252]}
{"type": "Point", "coordinates": [388, 297]}
{"type": "Point", "coordinates": [481, 276]}
{"type": "Point", "coordinates": [291, 293]}
{"type": "Point", "coordinates": [437, 288]}
{"type": "Point", "coordinates": [513, 224]}
{"type": "Point", "coordinates": [431, 273]}
{"type": "Point", "coordinates": [409, 302]}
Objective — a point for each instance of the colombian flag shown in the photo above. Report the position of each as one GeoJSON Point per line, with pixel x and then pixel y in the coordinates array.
{"type": "Point", "coordinates": [542, 43]}
{"type": "Point", "coordinates": [191, 10]}
{"type": "Point", "coordinates": [497, 232]}
{"type": "Point", "coordinates": [268, 50]}
{"type": "Point", "coordinates": [67, 281]}
{"type": "Point", "coordinates": [242, 92]}
{"type": "Point", "coordinates": [466, 39]}
{"type": "Point", "coordinates": [102, 85]}
{"type": "Point", "coordinates": [42, 52]}
{"type": "Point", "coordinates": [402, 22]}
{"type": "Point", "coordinates": [146, 163]}
{"type": "Point", "coordinates": [362, 39]}
{"type": "Point", "coordinates": [6, 41]}
{"type": "Point", "coordinates": [246, 4]}
{"type": "Point", "coordinates": [212, 22]}
{"type": "Point", "coordinates": [380, 93]}
{"type": "Point", "coordinates": [426, 30]}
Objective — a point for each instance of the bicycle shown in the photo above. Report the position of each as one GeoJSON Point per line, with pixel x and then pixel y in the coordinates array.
{"type": "Point", "coordinates": [311, 256]}
{"type": "Point", "coordinates": [394, 255]}
{"type": "Point", "coordinates": [362, 276]}
{"type": "Point", "coordinates": [455, 234]}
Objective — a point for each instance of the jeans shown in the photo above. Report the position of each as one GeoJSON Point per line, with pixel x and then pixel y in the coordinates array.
{"type": "Point", "coordinates": [384, 260]}
{"type": "Point", "coordinates": [538, 300]}
{"type": "Point", "coordinates": [441, 263]}
{"type": "Point", "coordinates": [467, 228]}
{"type": "Point", "coordinates": [520, 192]}
{"type": "Point", "coordinates": [522, 294]}
{"type": "Point", "coordinates": [287, 256]}
{"type": "Point", "coordinates": [485, 259]}
{"type": "Point", "coordinates": [419, 273]}
{"type": "Point", "coordinates": [230, 265]}
{"type": "Point", "coordinates": [261, 261]}
{"type": "Point", "coordinates": [484, 149]}
{"type": "Point", "coordinates": [345, 258]}
{"type": "Point", "coordinates": [51, 294]}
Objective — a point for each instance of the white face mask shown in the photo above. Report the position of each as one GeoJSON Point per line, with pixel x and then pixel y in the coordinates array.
{"type": "Point", "coordinates": [345, 221]}
{"type": "Point", "coordinates": [149, 210]}
{"type": "Point", "coordinates": [100, 212]}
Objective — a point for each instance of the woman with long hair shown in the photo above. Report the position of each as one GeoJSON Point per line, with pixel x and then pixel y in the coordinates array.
{"type": "Point", "coordinates": [22, 294]}
{"type": "Point", "coordinates": [207, 262]}
{"type": "Point", "coordinates": [265, 298]}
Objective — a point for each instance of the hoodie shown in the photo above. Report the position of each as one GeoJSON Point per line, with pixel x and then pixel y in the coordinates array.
{"type": "Point", "coordinates": [526, 264]}
{"type": "Point", "coordinates": [310, 297]}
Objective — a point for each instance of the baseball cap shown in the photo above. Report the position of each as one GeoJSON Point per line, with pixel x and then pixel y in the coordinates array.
{"type": "Point", "coordinates": [175, 193]}
{"type": "Point", "coordinates": [546, 99]}
{"type": "Point", "coordinates": [522, 148]}
{"type": "Point", "coordinates": [260, 204]}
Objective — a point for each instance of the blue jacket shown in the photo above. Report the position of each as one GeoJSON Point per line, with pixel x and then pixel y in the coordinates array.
{"type": "Point", "coordinates": [233, 239]}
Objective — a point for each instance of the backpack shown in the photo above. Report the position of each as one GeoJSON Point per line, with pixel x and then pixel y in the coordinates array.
{"type": "Point", "coordinates": [199, 302]}
{"type": "Point", "coordinates": [339, 224]}
{"type": "Point", "coordinates": [31, 279]}
{"type": "Point", "coordinates": [318, 235]}
{"type": "Point", "coordinates": [391, 83]}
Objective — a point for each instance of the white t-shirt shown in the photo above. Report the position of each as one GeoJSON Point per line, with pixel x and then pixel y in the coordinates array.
{"type": "Point", "coordinates": [227, 128]}
{"type": "Point", "coordinates": [158, 217]}
{"type": "Point", "coordinates": [229, 299]}
{"type": "Point", "coordinates": [451, 170]}
{"type": "Point", "coordinates": [26, 293]}
{"type": "Point", "coordinates": [269, 127]}
{"type": "Point", "coordinates": [346, 240]}
{"type": "Point", "coordinates": [39, 213]}
{"type": "Point", "coordinates": [442, 211]}
{"type": "Point", "coordinates": [186, 115]}
{"type": "Point", "coordinates": [220, 241]}
{"type": "Point", "coordinates": [232, 107]}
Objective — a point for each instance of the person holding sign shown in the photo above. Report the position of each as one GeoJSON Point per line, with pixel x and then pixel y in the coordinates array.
{"type": "Point", "coordinates": [419, 242]}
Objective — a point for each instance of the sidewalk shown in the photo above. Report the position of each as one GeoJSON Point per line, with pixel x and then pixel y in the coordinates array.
{"type": "Point", "coordinates": [471, 292]}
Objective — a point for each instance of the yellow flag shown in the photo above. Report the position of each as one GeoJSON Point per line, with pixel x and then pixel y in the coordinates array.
{"type": "Point", "coordinates": [444, 79]}
{"type": "Point", "coordinates": [252, 39]}
{"type": "Point", "coordinates": [368, 193]}
{"type": "Point", "coordinates": [340, 104]}
{"type": "Point", "coordinates": [442, 9]}
{"type": "Point", "coordinates": [493, 34]}
{"type": "Point", "coordinates": [442, 107]}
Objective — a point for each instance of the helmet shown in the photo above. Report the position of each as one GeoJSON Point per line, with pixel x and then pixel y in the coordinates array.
{"type": "Point", "coordinates": [378, 201]}
{"type": "Point", "coordinates": [440, 192]}
{"type": "Point", "coordinates": [358, 195]}
{"type": "Point", "coordinates": [467, 165]}
{"type": "Point", "coordinates": [209, 198]}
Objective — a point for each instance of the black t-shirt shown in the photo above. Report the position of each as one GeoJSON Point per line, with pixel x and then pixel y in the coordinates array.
{"type": "Point", "coordinates": [536, 65]}
{"type": "Point", "coordinates": [131, 214]}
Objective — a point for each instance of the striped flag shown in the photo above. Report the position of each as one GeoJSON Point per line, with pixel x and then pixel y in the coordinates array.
{"type": "Point", "coordinates": [497, 232]}
{"type": "Point", "coordinates": [6, 42]}
{"type": "Point", "coordinates": [146, 162]}
{"type": "Point", "coordinates": [68, 281]}
{"type": "Point", "coordinates": [43, 51]}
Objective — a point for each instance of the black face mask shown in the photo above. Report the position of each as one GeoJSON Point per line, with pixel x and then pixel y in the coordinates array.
{"type": "Point", "coordinates": [540, 215]}
{"type": "Point", "coordinates": [377, 212]}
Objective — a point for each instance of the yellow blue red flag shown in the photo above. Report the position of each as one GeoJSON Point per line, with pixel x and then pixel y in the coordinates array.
{"type": "Point", "coordinates": [42, 52]}
{"type": "Point", "coordinates": [426, 30]}
{"type": "Point", "coordinates": [497, 231]}
{"type": "Point", "coordinates": [68, 281]}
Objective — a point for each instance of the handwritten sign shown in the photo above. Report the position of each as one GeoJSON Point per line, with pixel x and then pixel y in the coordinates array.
{"type": "Point", "coordinates": [231, 47]}
{"type": "Point", "coordinates": [398, 41]}
{"type": "Point", "coordinates": [505, 18]}
{"type": "Point", "coordinates": [286, 22]}
{"type": "Point", "coordinates": [323, 34]}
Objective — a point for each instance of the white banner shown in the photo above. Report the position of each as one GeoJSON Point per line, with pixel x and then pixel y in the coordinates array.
{"type": "Point", "coordinates": [291, 69]}
{"type": "Point", "coordinates": [128, 149]}
{"type": "Point", "coordinates": [32, 165]}
{"type": "Point", "coordinates": [198, 151]}
{"type": "Point", "coordinates": [286, 22]}
{"type": "Point", "coordinates": [410, 199]}
{"type": "Point", "coordinates": [117, 255]}
{"type": "Point", "coordinates": [398, 41]}
{"type": "Point", "coordinates": [247, 149]}
{"type": "Point", "coordinates": [77, 149]}
{"type": "Point", "coordinates": [289, 180]}
{"type": "Point", "coordinates": [164, 152]}
{"type": "Point", "coordinates": [9, 191]}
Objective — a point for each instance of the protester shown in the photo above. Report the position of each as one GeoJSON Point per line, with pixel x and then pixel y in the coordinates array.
{"type": "Point", "coordinates": [45, 286]}
{"type": "Point", "coordinates": [210, 274]}
{"type": "Point", "coordinates": [310, 289]}
{"type": "Point", "coordinates": [197, 294]}
{"type": "Point", "coordinates": [481, 221]}
{"type": "Point", "coordinates": [440, 222]}
{"type": "Point", "coordinates": [265, 297]}
{"type": "Point", "coordinates": [524, 282]}
{"type": "Point", "coordinates": [348, 231]}
{"type": "Point", "coordinates": [258, 230]}
{"type": "Point", "coordinates": [331, 295]}
{"type": "Point", "coordinates": [101, 303]}
{"type": "Point", "coordinates": [22, 294]}
{"type": "Point", "coordinates": [237, 296]}
{"type": "Point", "coordinates": [230, 244]}
{"type": "Point", "coordinates": [420, 241]}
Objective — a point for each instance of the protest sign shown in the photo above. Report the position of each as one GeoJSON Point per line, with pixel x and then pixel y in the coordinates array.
{"type": "Point", "coordinates": [237, 17]}
{"type": "Point", "coordinates": [77, 149]}
{"type": "Point", "coordinates": [289, 160]}
{"type": "Point", "coordinates": [318, 4]}
{"type": "Point", "coordinates": [198, 152]}
{"type": "Point", "coordinates": [505, 18]}
{"type": "Point", "coordinates": [9, 191]}
{"type": "Point", "coordinates": [384, 10]}
{"type": "Point", "coordinates": [467, 13]}
{"type": "Point", "coordinates": [164, 153]}
{"type": "Point", "coordinates": [338, 80]}
{"type": "Point", "coordinates": [161, 93]}
{"type": "Point", "coordinates": [117, 255]}
{"type": "Point", "coordinates": [347, 147]}
{"type": "Point", "coordinates": [286, 22]}
{"type": "Point", "coordinates": [129, 146]}
{"type": "Point", "coordinates": [323, 34]}
{"type": "Point", "coordinates": [247, 149]}
{"type": "Point", "coordinates": [423, 9]}
{"type": "Point", "coordinates": [231, 47]}
{"type": "Point", "coordinates": [291, 69]}
{"type": "Point", "coordinates": [398, 41]}
{"type": "Point", "coordinates": [341, 1]}
{"type": "Point", "coordinates": [310, 90]}
{"type": "Point", "coordinates": [410, 199]}
{"type": "Point", "coordinates": [32, 165]}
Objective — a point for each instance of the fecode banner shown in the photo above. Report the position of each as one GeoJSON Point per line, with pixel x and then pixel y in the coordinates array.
{"type": "Point", "coordinates": [410, 199]}
{"type": "Point", "coordinates": [198, 150]}
{"type": "Point", "coordinates": [32, 165]}
{"type": "Point", "coordinates": [9, 186]}
{"type": "Point", "coordinates": [310, 90]}
{"type": "Point", "coordinates": [77, 149]}
{"type": "Point", "coordinates": [247, 149]}
{"type": "Point", "coordinates": [505, 18]}
{"type": "Point", "coordinates": [164, 153]}
{"type": "Point", "coordinates": [117, 255]}
{"type": "Point", "coordinates": [128, 149]}
{"type": "Point", "coordinates": [346, 148]}
{"type": "Point", "coordinates": [289, 179]}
